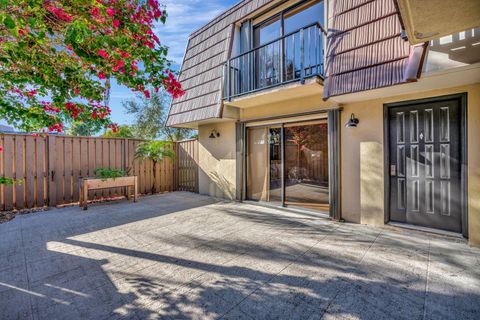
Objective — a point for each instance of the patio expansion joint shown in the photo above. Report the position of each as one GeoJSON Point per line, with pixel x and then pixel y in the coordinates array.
{"type": "Point", "coordinates": [426, 283]}
{"type": "Point", "coordinates": [26, 270]}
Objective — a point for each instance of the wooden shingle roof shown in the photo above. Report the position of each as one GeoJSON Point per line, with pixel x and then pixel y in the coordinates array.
{"type": "Point", "coordinates": [365, 49]}
{"type": "Point", "coordinates": [201, 73]}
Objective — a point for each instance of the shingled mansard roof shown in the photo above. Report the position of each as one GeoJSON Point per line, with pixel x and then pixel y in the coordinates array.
{"type": "Point", "coordinates": [207, 52]}
{"type": "Point", "coordinates": [365, 48]}
{"type": "Point", "coordinates": [364, 51]}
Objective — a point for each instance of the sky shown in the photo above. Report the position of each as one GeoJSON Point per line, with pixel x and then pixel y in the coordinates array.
{"type": "Point", "coordinates": [184, 17]}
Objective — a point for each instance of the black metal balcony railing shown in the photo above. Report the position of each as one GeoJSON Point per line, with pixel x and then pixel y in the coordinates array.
{"type": "Point", "coordinates": [293, 57]}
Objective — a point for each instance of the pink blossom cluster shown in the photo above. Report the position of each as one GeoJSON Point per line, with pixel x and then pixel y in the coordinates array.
{"type": "Point", "coordinates": [47, 106]}
{"type": "Point", "coordinates": [173, 86]}
{"type": "Point", "coordinates": [113, 127]}
{"type": "Point", "coordinates": [56, 127]}
{"type": "Point", "coordinates": [53, 8]}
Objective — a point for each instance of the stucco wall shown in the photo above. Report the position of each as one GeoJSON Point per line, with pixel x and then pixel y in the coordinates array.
{"type": "Point", "coordinates": [370, 130]}
{"type": "Point", "coordinates": [216, 158]}
{"type": "Point", "coordinates": [362, 180]}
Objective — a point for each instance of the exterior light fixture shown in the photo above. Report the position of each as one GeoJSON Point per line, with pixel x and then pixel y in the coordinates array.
{"type": "Point", "coordinates": [352, 122]}
{"type": "Point", "coordinates": [214, 134]}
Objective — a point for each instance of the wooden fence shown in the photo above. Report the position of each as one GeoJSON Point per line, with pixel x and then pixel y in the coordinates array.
{"type": "Point", "coordinates": [52, 166]}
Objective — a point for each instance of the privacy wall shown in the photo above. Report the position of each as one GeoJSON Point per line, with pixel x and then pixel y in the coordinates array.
{"type": "Point", "coordinates": [51, 167]}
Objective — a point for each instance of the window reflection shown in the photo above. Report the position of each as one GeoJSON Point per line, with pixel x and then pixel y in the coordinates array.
{"type": "Point", "coordinates": [456, 50]}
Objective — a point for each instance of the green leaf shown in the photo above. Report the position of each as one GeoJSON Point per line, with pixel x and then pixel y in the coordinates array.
{"type": "Point", "coordinates": [9, 22]}
{"type": "Point", "coordinates": [31, 22]}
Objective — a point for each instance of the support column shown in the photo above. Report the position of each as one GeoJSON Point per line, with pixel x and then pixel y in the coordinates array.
{"type": "Point", "coordinates": [334, 174]}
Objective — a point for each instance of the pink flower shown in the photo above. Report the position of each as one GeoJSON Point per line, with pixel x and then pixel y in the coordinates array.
{"type": "Point", "coordinates": [103, 53]}
{"type": "Point", "coordinates": [114, 127]}
{"type": "Point", "coordinates": [56, 127]}
{"type": "Point", "coordinates": [172, 85]}
{"type": "Point", "coordinates": [101, 75]}
{"type": "Point", "coordinates": [1, 149]}
{"type": "Point", "coordinates": [147, 94]}
{"type": "Point", "coordinates": [134, 66]}
{"type": "Point", "coordinates": [95, 11]}
{"type": "Point", "coordinates": [116, 24]}
{"type": "Point", "coordinates": [110, 12]}
{"type": "Point", "coordinates": [31, 93]}
{"type": "Point", "coordinates": [59, 13]}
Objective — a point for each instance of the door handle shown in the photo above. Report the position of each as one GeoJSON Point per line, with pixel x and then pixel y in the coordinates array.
{"type": "Point", "coordinates": [393, 170]}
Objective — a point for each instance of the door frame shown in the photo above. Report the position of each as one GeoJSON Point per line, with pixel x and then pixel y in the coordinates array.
{"type": "Point", "coordinates": [462, 99]}
{"type": "Point", "coordinates": [334, 167]}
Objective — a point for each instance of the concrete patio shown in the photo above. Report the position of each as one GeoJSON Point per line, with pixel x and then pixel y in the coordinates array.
{"type": "Point", "coordinates": [186, 256]}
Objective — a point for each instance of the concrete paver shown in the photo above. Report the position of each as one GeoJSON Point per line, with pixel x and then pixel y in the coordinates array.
{"type": "Point", "coordinates": [186, 256]}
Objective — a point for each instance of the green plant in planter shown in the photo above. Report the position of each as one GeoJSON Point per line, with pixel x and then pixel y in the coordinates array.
{"type": "Point", "coordinates": [109, 173]}
{"type": "Point", "coordinates": [155, 151]}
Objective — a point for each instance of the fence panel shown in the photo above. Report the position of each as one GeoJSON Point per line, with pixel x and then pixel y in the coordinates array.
{"type": "Point", "coordinates": [187, 165]}
{"type": "Point", "coordinates": [52, 166]}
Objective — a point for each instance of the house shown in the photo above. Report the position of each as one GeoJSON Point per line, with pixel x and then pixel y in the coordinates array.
{"type": "Point", "coordinates": [367, 110]}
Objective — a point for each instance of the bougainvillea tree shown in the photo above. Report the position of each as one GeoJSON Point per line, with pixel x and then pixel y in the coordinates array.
{"type": "Point", "coordinates": [56, 59]}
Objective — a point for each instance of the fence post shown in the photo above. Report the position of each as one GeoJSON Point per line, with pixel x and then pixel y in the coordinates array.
{"type": "Point", "coordinates": [51, 159]}
{"type": "Point", "coordinates": [175, 166]}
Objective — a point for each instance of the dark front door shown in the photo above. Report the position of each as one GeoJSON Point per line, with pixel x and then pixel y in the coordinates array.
{"type": "Point", "coordinates": [425, 164]}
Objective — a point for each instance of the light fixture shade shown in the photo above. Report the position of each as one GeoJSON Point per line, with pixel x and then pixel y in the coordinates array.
{"type": "Point", "coordinates": [214, 134]}
{"type": "Point", "coordinates": [352, 122]}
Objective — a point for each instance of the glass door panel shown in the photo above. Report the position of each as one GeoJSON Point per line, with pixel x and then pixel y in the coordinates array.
{"type": "Point", "coordinates": [267, 58]}
{"type": "Point", "coordinates": [306, 165]}
{"type": "Point", "coordinates": [267, 31]}
{"type": "Point", "coordinates": [264, 164]}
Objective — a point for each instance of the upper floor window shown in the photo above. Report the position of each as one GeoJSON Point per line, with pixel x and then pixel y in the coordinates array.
{"type": "Point", "coordinates": [302, 16]}
{"type": "Point", "coordinates": [284, 47]}
{"type": "Point", "coordinates": [295, 18]}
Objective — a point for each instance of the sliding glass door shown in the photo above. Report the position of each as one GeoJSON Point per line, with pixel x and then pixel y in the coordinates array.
{"type": "Point", "coordinates": [306, 165]}
{"type": "Point", "coordinates": [290, 169]}
{"type": "Point", "coordinates": [264, 163]}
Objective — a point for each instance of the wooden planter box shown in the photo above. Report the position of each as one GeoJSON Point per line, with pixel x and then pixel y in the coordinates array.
{"type": "Point", "coordinates": [87, 184]}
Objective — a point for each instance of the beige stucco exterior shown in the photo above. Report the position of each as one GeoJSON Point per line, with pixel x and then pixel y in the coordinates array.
{"type": "Point", "coordinates": [362, 152]}
{"type": "Point", "coordinates": [216, 160]}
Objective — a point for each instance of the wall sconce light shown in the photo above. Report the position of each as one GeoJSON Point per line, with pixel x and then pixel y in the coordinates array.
{"type": "Point", "coordinates": [214, 134]}
{"type": "Point", "coordinates": [352, 122]}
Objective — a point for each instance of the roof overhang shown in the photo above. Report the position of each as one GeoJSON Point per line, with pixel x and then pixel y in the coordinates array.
{"type": "Point", "coordinates": [426, 20]}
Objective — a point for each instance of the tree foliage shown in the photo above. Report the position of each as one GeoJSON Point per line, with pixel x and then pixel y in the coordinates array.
{"type": "Point", "coordinates": [84, 129]}
{"type": "Point", "coordinates": [150, 116]}
{"type": "Point", "coordinates": [156, 151]}
{"type": "Point", "coordinates": [123, 131]}
{"type": "Point", "coordinates": [56, 58]}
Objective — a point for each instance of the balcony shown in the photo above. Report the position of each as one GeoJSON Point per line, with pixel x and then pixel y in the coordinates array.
{"type": "Point", "coordinates": [294, 57]}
